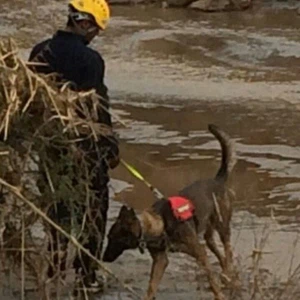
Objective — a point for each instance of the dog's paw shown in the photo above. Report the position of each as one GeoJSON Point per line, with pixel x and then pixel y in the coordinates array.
{"type": "Point", "coordinates": [231, 281]}
{"type": "Point", "coordinates": [225, 279]}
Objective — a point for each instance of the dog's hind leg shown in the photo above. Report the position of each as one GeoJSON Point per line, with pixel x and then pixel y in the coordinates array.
{"type": "Point", "coordinates": [230, 271]}
{"type": "Point", "coordinates": [201, 256]}
{"type": "Point", "coordinates": [211, 243]}
{"type": "Point", "coordinates": [225, 234]}
{"type": "Point", "coordinates": [222, 226]}
{"type": "Point", "coordinates": [197, 249]}
{"type": "Point", "coordinates": [159, 265]}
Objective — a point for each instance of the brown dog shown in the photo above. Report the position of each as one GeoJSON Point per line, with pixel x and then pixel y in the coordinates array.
{"type": "Point", "coordinates": [160, 230]}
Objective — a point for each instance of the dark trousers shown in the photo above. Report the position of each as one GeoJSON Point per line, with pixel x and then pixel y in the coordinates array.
{"type": "Point", "coordinates": [90, 214]}
{"type": "Point", "coordinates": [94, 231]}
{"type": "Point", "coordinates": [91, 219]}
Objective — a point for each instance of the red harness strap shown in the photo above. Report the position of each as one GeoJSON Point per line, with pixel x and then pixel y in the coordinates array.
{"type": "Point", "coordinates": [183, 209]}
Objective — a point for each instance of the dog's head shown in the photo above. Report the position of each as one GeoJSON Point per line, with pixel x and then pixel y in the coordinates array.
{"type": "Point", "coordinates": [123, 235]}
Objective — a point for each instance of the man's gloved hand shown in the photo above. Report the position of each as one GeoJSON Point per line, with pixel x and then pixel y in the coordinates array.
{"type": "Point", "coordinates": [112, 145]}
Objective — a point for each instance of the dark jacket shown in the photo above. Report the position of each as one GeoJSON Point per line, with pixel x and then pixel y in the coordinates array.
{"type": "Point", "coordinates": [67, 55]}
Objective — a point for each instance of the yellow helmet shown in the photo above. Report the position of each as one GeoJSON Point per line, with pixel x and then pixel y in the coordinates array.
{"type": "Point", "coordinates": [99, 9]}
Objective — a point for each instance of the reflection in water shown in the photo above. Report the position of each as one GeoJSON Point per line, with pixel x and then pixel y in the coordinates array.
{"type": "Point", "coordinates": [265, 162]}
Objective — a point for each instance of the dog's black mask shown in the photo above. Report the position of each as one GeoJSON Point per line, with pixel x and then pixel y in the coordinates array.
{"type": "Point", "coordinates": [123, 235]}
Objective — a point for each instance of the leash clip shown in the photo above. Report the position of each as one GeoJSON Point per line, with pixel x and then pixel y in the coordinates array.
{"type": "Point", "coordinates": [142, 246]}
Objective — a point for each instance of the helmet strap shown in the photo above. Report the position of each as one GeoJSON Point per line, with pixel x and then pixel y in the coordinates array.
{"type": "Point", "coordinates": [77, 16]}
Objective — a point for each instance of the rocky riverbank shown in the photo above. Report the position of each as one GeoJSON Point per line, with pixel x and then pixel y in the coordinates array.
{"type": "Point", "coordinates": [203, 5]}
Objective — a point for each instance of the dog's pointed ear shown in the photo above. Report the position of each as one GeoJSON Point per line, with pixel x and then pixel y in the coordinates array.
{"type": "Point", "coordinates": [123, 211]}
{"type": "Point", "coordinates": [127, 213]}
{"type": "Point", "coordinates": [131, 212]}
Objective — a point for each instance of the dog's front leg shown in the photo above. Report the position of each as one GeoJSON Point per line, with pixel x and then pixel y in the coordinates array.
{"type": "Point", "coordinates": [159, 265]}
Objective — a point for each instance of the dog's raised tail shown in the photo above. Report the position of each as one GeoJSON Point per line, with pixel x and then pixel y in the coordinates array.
{"type": "Point", "coordinates": [228, 152]}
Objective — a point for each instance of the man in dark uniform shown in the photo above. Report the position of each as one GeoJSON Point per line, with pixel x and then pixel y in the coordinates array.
{"type": "Point", "coordinates": [67, 56]}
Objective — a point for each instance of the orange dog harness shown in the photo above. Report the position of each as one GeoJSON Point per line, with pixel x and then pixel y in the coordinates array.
{"type": "Point", "coordinates": [183, 209]}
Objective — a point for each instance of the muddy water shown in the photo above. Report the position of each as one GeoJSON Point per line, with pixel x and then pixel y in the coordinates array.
{"type": "Point", "coordinates": [170, 73]}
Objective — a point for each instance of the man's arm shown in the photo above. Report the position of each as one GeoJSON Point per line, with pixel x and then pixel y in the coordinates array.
{"type": "Point", "coordinates": [94, 79]}
{"type": "Point", "coordinates": [37, 55]}
{"type": "Point", "coordinates": [96, 71]}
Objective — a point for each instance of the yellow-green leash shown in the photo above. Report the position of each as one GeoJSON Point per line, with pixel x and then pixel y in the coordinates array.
{"type": "Point", "coordinates": [138, 175]}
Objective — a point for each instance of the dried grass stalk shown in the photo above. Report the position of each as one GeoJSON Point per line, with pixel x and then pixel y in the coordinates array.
{"type": "Point", "coordinates": [40, 127]}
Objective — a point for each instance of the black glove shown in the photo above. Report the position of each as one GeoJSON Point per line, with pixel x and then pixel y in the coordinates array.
{"type": "Point", "coordinates": [111, 144]}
